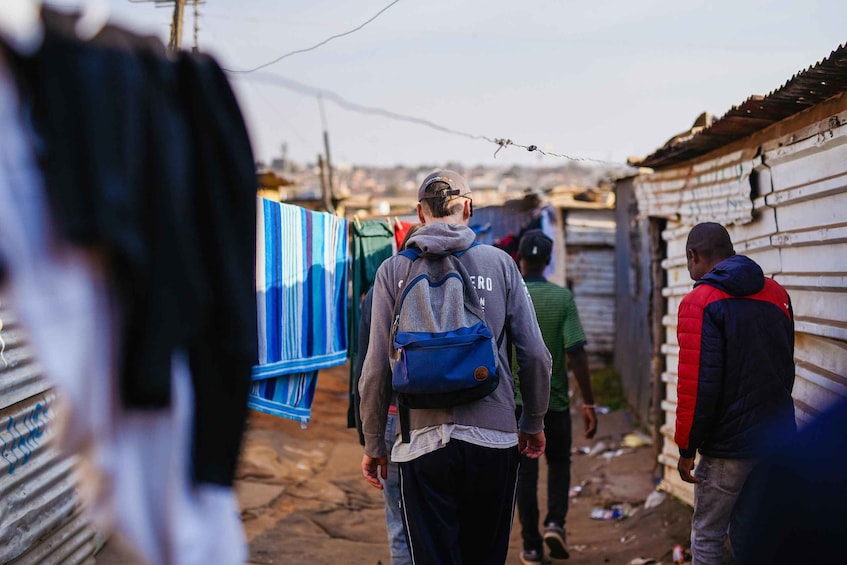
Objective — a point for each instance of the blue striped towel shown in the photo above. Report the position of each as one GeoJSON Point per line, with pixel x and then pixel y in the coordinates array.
{"type": "Point", "coordinates": [301, 286]}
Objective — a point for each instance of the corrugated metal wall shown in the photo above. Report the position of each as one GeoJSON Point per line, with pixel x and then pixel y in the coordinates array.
{"type": "Point", "coordinates": [634, 306]}
{"type": "Point", "coordinates": [590, 270]}
{"type": "Point", "coordinates": [39, 509]}
{"type": "Point", "coordinates": [511, 219]}
{"type": "Point", "coordinates": [796, 230]}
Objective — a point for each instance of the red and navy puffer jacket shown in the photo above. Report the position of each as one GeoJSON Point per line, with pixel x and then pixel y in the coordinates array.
{"type": "Point", "coordinates": [736, 363]}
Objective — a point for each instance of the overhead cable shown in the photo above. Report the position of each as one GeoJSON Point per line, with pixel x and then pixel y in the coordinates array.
{"type": "Point", "coordinates": [313, 47]}
{"type": "Point", "coordinates": [290, 84]}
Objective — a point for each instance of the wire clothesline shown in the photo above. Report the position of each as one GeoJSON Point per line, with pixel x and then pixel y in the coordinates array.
{"type": "Point", "coordinates": [295, 86]}
{"type": "Point", "coordinates": [290, 84]}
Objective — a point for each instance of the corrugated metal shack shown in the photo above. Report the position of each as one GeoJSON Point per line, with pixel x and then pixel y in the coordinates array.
{"type": "Point", "coordinates": [584, 255]}
{"type": "Point", "coordinates": [774, 171]}
{"type": "Point", "coordinates": [590, 274]}
{"type": "Point", "coordinates": [639, 277]}
{"type": "Point", "coordinates": [40, 520]}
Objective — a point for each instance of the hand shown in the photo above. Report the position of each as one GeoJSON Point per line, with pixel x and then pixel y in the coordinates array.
{"type": "Point", "coordinates": [532, 445]}
{"type": "Point", "coordinates": [370, 465]}
{"type": "Point", "coordinates": [589, 420]}
{"type": "Point", "coordinates": [685, 466]}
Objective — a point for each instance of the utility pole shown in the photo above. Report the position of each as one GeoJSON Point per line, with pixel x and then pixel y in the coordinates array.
{"type": "Point", "coordinates": [325, 193]}
{"type": "Point", "coordinates": [196, 47]}
{"type": "Point", "coordinates": [175, 41]}
{"type": "Point", "coordinates": [330, 198]}
{"type": "Point", "coordinates": [175, 44]}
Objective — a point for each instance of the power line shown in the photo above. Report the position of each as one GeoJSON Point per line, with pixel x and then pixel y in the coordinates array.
{"type": "Point", "coordinates": [324, 42]}
{"type": "Point", "coordinates": [300, 88]}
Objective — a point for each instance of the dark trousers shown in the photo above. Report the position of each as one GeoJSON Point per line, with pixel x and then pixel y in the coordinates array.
{"type": "Point", "coordinates": [557, 430]}
{"type": "Point", "coordinates": [458, 504]}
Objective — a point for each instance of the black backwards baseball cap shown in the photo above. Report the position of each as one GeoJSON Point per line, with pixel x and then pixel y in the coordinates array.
{"type": "Point", "coordinates": [456, 185]}
{"type": "Point", "coordinates": [535, 245]}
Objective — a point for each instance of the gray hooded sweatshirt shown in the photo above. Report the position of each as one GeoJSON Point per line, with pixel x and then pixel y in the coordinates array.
{"type": "Point", "coordinates": [507, 303]}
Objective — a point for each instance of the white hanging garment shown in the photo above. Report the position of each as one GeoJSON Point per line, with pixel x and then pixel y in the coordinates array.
{"type": "Point", "coordinates": [136, 465]}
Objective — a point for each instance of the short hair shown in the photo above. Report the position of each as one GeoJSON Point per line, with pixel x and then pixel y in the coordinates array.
{"type": "Point", "coordinates": [440, 192]}
{"type": "Point", "coordinates": [442, 206]}
{"type": "Point", "coordinates": [711, 241]}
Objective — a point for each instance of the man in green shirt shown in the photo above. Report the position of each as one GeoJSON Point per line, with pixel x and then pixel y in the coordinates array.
{"type": "Point", "coordinates": [563, 335]}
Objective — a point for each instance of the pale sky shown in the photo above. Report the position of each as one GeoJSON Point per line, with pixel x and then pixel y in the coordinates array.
{"type": "Point", "coordinates": [599, 79]}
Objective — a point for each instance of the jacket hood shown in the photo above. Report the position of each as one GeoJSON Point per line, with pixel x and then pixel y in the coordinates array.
{"type": "Point", "coordinates": [738, 275]}
{"type": "Point", "coordinates": [439, 238]}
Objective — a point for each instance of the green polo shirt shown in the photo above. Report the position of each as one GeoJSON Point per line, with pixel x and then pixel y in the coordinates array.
{"type": "Point", "coordinates": [558, 319]}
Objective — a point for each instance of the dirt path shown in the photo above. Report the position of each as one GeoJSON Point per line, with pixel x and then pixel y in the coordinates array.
{"type": "Point", "coordinates": [305, 500]}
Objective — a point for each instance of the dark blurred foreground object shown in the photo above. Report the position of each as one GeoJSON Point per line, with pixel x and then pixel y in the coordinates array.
{"type": "Point", "coordinates": [803, 497]}
{"type": "Point", "coordinates": [147, 160]}
{"type": "Point", "coordinates": [127, 245]}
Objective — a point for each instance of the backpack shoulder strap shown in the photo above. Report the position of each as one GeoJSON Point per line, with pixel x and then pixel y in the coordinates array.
{"type": "Point", "coordinates": [411, 253]}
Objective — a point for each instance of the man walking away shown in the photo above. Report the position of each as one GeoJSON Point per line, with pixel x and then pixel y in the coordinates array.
{"type": "Point", "coordinates": [736, 373]}
{"type": "Point", "coordinates": [458, 472]}
{"type": "Point", "coordinates": [391, 486]}
{"type": "Point", "coordinates": [563, 335]}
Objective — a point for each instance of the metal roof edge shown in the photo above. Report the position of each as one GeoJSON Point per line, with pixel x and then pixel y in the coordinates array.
{"type": "Point", "coordinates": [806, 88]}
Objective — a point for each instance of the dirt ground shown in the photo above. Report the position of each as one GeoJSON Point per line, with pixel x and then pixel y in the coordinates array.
{"type": "Point", "coordinates": [323, 511]}
{"type": "Point", "coordinates": [304, 500]}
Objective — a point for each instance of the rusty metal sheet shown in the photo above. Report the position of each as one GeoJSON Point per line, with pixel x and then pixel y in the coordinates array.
{"type": "Point", "coordinates": [804, 90]}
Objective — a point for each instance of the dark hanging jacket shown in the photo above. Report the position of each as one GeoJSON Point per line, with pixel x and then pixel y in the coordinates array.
{"type": "Point", "coordinates": [147, 160]}
{"type": "Point", "coordinates": [736, 363]}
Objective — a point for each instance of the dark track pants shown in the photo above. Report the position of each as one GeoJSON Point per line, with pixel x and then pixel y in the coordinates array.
{"type": "Point", "coordinates": [557, 429]}
{"type": "Point", "coordinates": [458, 504]}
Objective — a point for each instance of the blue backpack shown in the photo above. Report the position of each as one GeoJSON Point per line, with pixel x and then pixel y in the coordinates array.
{"type": "Point", "coordinates": [444, 353]}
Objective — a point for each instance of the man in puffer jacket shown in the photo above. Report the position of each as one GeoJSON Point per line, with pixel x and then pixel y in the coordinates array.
{"type": "Point", "coordinates": [736, 373]}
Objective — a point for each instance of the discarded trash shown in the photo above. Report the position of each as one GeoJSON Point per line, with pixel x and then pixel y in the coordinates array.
{"type": "Point", "coordinates": [632, 440]}
{"type": "Point", "coordinates": [627, 539]}
{"type": "Point", "coordinates": [678, 554]}
{"type": "Point", "coordinates": [576, 490]}
{"type": "Point", "coordinates": [585, 450]}
{"type": "Point", "coordinates": [636, 439]}
{"type": "Point", "coordinates": [617, 452]}
{"type": "Point", "coordinates": [598, 448]}
{"type": "Point", "coordinates": [654, 499]}
{"type": "Point", "coordinates": [616, 512]}
{"type": "Point", "coordinates": [579, 548]}
{"type": "Point", "coordinates": [603, 514]}
{"type": "Point", "coordinates": [602, 410]}
{"type": "Point", "coordinates": [642, 561]}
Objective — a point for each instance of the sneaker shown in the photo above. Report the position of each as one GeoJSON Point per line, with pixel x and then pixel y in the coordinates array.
{"type": "Point", "coordinates": [531, 556]}
{"type": "Point", "coordinates": [554, 537]}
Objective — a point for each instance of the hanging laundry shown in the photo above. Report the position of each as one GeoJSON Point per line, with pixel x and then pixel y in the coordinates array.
{"type": "Point", "coordinates": [301, 294]}
{"type": "Point", "coordinates": [483, 233]}
{"type": "Point", "coordinates": [372, 243]}
{"type": "Point", "coordinates": [289, 396]}
{"type": "Point", "coordinates": [400, 230]}
{"type": "Point", "coordinates": [550, 227]}
{"type": "Point", "coordinates": [127, 233]}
